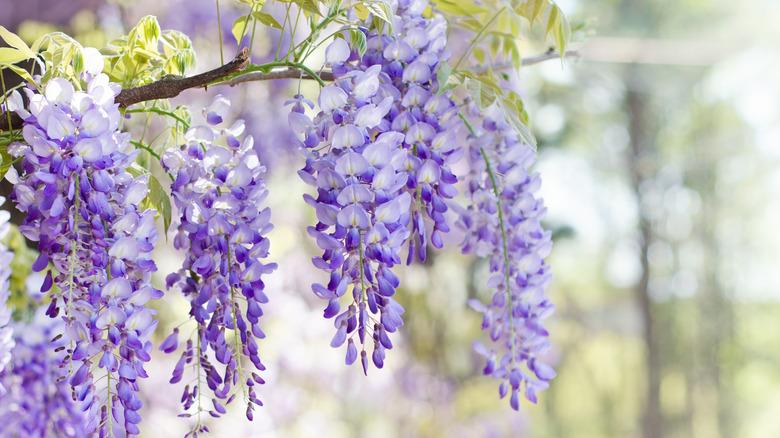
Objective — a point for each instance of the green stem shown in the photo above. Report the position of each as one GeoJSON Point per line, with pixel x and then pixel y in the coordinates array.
{"type": "Point", "coordinates": [298, 56]}
{"type": "Point", "coordinates": [200, 389]}
{"type": "Point", "coordinates": [362, 273]}
{"type": "Point", "coordinates": [219, 32]}
{"type": "Point", "coordinates": [502, 225]}
{"type": "Point", "coordinates": [252, 38]}
{"type": "Point", "coordinates": [5, 100]}
{"type": "Point", "coordinates": [246, 24]}
{"type": "Point", "coordinates": [72, 257]}
{"type": "Point", "coordinates": [504, 245]}
{"type": "Point", "coordinates": [140, 145]}
{"type": "Point", "coordinates": [233, 305]}
{"type": "Point", "coordinates": [293, 31]}
{"type": "Point", "coordinates": [109, 417]}
{"type": "Point", "coordinates": [161, 112]}
{"type": "Point", "coordinates": [281, 32]}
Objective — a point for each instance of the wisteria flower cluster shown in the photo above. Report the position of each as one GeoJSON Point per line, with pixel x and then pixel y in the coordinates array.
{"type": "Point", "coordinates": [81, 206]}
{"type": "Point", "coordinates": [503, 223]}
{"type": "Point", "coordinates": [219, 190]}
{"type": "Point", "coordinates": [38, 401]}
{"type": "Point", "coordinates": [380, 146]}
{"type": "Point", "coordinates": [378, 154]}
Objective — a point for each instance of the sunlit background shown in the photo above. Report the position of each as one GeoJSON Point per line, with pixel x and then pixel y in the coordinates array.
{"type": "Point", "coordinates": [659, 152]}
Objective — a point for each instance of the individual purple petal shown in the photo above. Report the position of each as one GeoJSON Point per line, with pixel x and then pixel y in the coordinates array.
{"type": "Point", "coordinates": [337, 52]}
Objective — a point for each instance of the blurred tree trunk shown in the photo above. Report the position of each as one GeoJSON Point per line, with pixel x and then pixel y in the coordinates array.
{"type": "Point", "coordinates": [713, 371]}
{"type": "Point", "coordinates": [641, 167]}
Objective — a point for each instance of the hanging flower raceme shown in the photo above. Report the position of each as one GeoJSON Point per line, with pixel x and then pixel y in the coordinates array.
{"type": "Point", "coordinates": [503, 223]}
{"type": "Point", "coordinates": [378, 154]}
{"type": "Point", "coordinates": [38, 401]}
{"type": "Point", "coordinates": [219, 191]}
{"type": "Point", "coordinates": [361, 207]}
{"type": "Point", "coordinates": [6, 330]}
{"type": "Point", "coordinates": [81, 206]}
{"type": "Point", "coordinates": [411, 59]}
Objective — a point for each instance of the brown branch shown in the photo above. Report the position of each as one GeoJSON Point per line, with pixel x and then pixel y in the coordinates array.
{"type": "Point", "coordinates": [287, 73]}
{"type": "Point", "coordinates": [167, 88]}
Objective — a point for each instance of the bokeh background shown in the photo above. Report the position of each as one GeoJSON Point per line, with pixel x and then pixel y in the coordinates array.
{"type": "Point", "coordinates": [659, 151]}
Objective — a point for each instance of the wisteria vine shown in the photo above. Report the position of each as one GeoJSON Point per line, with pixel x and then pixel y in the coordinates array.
{"type": "Point", "coordinates": [381, 148]}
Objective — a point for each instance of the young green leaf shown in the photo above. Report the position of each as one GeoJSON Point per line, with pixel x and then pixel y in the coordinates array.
{"type": "Point", "coordinates": [14, 41]}
{"type": "Point", "coordinates": [239, 26]}
{"type": "Point", "coordinates": [160, 200]}
{"type": "Point", "coordinates": [443, 76]}
{"type": "Point", "coordinates": [357, 40]}
{"type": "Point", "coordinates": [9, 56]}
{"type": "Point", "coordinates": [266, 19]}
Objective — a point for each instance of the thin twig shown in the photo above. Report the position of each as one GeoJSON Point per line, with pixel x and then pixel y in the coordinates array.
{"type": "Point", "coordinates": [530, 60]}
{"type": "Point", "coordinates": [286, 73]}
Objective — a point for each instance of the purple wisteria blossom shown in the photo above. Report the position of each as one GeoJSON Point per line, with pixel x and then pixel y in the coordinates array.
{"type": "Point", "coordinates": [409, 61]}
{"type": "Point", "coordinates": [219, 191]}
{"type": "Point", "coordinates": [6, 331]}
{"type": "Point", "coordinates": [378, 154]}
{"type": "Point", "coordinates": [81, 206]}
{"type": "Point", "coordinates": [503, 223]}
{"type": "Point", "coordinates": [38, 401]}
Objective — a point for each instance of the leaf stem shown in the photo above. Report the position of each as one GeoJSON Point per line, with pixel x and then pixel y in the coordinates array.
{"type": "Point", "coordinates": [219, 32]}
{"type": "Point", "coordinates": [504, 234]}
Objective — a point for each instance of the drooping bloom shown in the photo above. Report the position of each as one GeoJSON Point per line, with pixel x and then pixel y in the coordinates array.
{"type": "Point", "coordinates": [219, 191]}
{"type": "Point", "coordinates": [81, 206]}
{"type": "Point", "coordinates": [362, 209]}
{"type": "Point", "coordinates": [378, 155]}
{"type": "Point", "coordinates": [427, 117]}
{"type": "Point", "coordinates": [6, 330]}
{"type": "Point", "coordinates": [503, 223]}
{"type": "Point", "coordinates": [38, 401]}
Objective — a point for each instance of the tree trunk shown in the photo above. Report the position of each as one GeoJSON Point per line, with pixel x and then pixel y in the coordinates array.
{"type": "Point", "coordinates": [640, 164]}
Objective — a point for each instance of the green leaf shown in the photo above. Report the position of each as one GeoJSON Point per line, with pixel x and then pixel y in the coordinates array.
{"type": "Point", "coordinates": [160, 200]}
{"type": "Point", "coordinates": [239, 26]}
{"type": "Point", "coordinates": [266, 19]}
{"type": "Point", "coordinates": [7, 162]}
{"type": "Point", "coordinates": [443, 76]}
{"type": "Point", "coordinates": [149, 31]}
{"type": "Point", "coordinates": [461, 8]}
{"type": "Point", "coordinates": [311, 7]}
{"type": "Point", "coordinates": [14, 41]}
{"type": "Point", "coordinates": [558, 26]}
{"type": "Point", "coordinates": [357, 40]}
{"type": "Point", "coordinates": [78, 60]}
{"type": "Point", "coordinates": [136, 170]}
{"type": "Point", "coordinates": [379, 9]}
{"type": "Point", "coordinates": [9, 56]}
{"type": "Point", "coordinates": [512, 106]}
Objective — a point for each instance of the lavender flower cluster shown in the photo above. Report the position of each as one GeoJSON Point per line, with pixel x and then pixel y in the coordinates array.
{"type": "Point", "coordinates": [378, 154]}
{"type": "Point", "coordinates": [38, 401]}
{"type": "Point", "coordinates": [503, 223]}
{"type": "Point", "coordinates": [219, 191]}
{"type": "Point", "coordinates": [81, 206]}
